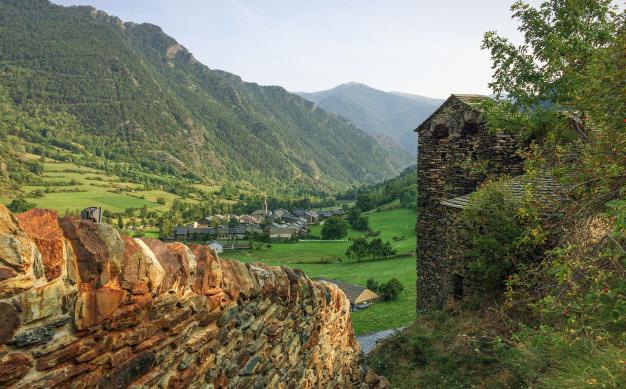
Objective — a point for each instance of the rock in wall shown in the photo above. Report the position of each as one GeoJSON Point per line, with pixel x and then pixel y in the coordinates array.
{"type": "Point", "coordinates": [82, 306]}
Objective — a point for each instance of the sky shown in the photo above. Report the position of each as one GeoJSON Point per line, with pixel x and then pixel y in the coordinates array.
{"type": "Point", "coordinates": [430, 48]}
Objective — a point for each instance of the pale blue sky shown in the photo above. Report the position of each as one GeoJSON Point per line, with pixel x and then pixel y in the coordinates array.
{"type": "Point", "coordinates": [430, 48]}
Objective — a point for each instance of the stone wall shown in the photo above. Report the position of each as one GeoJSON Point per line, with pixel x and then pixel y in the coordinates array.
{"type": "Point", "coordinates": [455, 153]}
{"type": "Point", "coordinates": [82, 306]}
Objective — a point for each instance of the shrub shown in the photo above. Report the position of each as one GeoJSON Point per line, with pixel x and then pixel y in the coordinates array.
{"type": "Point", "coordinates": [20, 205]}
{"type": "Point", "coordinates": [493, 229]}
{"type": "Point", "coordinates": [372, 284]}
{"type": "Point", "coordinates": [161, 201]}
{"type": "Point", "coordinates": [390, 290]}
{"type": "Point", "coordinates": [335, 228]}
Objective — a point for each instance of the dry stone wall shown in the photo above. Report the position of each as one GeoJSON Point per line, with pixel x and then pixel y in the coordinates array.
{"type": "Point", "coordinates": [82, 306]}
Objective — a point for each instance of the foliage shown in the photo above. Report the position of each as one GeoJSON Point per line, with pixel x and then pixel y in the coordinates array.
{"type": "Point", "coordinates": [361, 248]}
{"type": "Point", "coordinates": [494, 232]}
{"type": "Point", "coordinates": [372, 284]}
{"type": "Point", "coordinates": [20, 205]}
{"type": "Point", "coordinates": [358, 249]}
{"type": "Point", "coordinates": [390, 290]}
{"type": "Point", "coordinates": [401, 189]}
{"type": "Point", "coordinates": [334, 228]}
{"type": "Point", "coordinates": [357, 220]}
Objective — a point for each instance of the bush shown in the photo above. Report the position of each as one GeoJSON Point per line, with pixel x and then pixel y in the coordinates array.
{"type": "Point", "coordinates": [372, 284]}
{"type": "Point", "coordinates": [161, 201]}
{"type": "Point", "coordinates": [334, 228]}
{"type": "Point", "coordinates": [20, 205]}
{"type": "Point", "coordinates": [390, 290]}
{"type": "Point", "coordinates": [493, 229]}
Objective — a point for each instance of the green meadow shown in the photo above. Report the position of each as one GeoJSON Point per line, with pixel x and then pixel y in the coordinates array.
{"type": "Point", "coordinates": [328, 260]}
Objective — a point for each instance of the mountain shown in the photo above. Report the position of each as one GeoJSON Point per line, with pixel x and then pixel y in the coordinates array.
{"type": "Point", "coordinates": [392, 114]}
{"type": "Point", "coordinates": [128, 92]}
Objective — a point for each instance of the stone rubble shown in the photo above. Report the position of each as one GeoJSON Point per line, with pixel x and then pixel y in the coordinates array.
{"type": "Point", "coordinates": [83, 307]}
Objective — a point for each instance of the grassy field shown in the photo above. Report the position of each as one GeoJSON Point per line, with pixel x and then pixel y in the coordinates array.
{"type": "Point", "coordinates": [84, 187]}
{"type": "Point", "coordinates": [327, 259]}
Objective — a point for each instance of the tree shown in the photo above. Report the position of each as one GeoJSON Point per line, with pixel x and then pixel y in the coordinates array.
{"type": "Point", "coordinates": [390, 290]}
{"type": "Point", "coordinates": [334, 228]}
{"type": "Point", "coordinates": [372, 284]}
{"type": "Point", "coordinates": [161, 201]}
{"type": "Point", "coordinates": [362, 223]}
{"type": "Point", "coordinates": [363, 201]}
{"type": "Point", "coordinates": [144, 211]}
{"type": "Point", "coordinates": [358, 249]}
{"type": "Point", "coordinates": [120, 222]}
{"type": "Point", "coordinates": [20, 205]}
{"type": "Point", "coordinates": [353, 214]}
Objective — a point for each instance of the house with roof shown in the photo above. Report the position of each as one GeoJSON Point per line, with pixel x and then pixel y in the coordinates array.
{"type": "Point", "coordinates": [216, 246]}
{"type": "Point", "coordinates": [356, 294]}
{"type": "Point", "coordinates": [248, 219]}
{"type": "Point", "coordinates": [323, 215]}
{"type": "Point", "coordinates": [456, 152]}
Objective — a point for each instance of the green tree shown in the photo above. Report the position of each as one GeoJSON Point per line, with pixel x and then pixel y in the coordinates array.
{"type": "Point", "coordinates": [334, 228]}
{"type": "Point", "coordinates": [144, 211]}
{"type": "Point", "coordinates": [20, 205]}
{"type": "Point", "coordinates": [358, 249]}
{"type": "Point", "coordinates": [372, 284]}
{"type": "Point", "coordinates": [120, 222]}
{"type": "Point", "coordinates": [390, 290]}
{"type": "Point", "coordinates": [161, 201]}
{"type": "Point", "coordinates": [362, 223]}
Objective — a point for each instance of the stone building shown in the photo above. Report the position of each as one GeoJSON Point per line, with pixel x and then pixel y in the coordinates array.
{"type": "Point", "coordinates": [455, 153]}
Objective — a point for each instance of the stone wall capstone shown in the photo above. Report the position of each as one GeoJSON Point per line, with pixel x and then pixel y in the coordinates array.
{"type": "Point", "coordinates": [83, 307]}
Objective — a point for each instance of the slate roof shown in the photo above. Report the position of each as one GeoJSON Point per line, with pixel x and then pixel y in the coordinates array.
{"type": "Point", "coordinates": [468, 99]}
{"type": "Point", "coordinates": [547, 186]}
{"type": "Point", "coordinates": [351, 291]}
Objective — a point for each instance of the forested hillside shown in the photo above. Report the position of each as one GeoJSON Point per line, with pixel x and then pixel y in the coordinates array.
{"type": "Point", "coordinates": [390, 116]}
{"type": "Point", "coordinates": [395, 192]}
{"type": "Point", "coordinates": [129, 93]}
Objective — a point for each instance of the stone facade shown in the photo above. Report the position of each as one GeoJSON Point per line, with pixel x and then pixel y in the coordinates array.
{"type": "Point", "coordinates": [455, 153]}
{"type": "Point", "coordinates": [82, 306]}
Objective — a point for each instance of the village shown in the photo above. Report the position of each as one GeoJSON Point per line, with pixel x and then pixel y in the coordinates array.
{"type": "Point", "coordinates": [236, 232]}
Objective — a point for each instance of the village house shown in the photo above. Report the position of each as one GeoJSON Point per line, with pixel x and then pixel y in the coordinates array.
{"type": "Point", "coordinates": [218, 247]}
{"type": "Point", "coordinates": [309, 216]}
{"type": "Point", "coordinates": [247, 219]}
{"type": "Point", "coordinates": [357, 295]}
{"type": "Point", "coordinates": [456, 152]}
{"type": "Point", "coordinates": [323, 215]}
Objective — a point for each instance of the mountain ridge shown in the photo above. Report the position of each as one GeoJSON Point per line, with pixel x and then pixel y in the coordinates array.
{"type": "Point", "coordinates": [392, 114]}
{"type": "Point", "coordinates": [134, 94]}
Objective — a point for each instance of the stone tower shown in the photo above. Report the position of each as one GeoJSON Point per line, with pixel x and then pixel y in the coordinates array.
{"type": "Point", "coordinates": [455, 153]}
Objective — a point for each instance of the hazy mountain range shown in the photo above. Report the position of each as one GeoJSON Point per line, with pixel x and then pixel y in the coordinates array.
{"type": "Point", "coordinates": [389, 116]}
{"type": "Point", "coordinates": [130, 93]}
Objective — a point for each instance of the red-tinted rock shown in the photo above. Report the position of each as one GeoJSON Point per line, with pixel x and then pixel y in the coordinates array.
{"type": "Point", "coordinates": [99, 250]}
{"type": "Point", "coordinates": [9, 321]}
{"type": "Point", "coordinates": [187, 261]}
{"type": "Point", "coordinates": [237, 279]}
{"type": "Point", "coordinates": [17, 251]}
{"type": "Point", "coordinates": [208, 271]}
{"type": "Point", "coordinates": [13, 366]}
{"type": "Point", "coordinates": [6, 273]}
{"type": "Point", "coordinates": [42, 226]}
{"type": "Point", "coordinates": [134, 265]}
{"type": "Point", "coordinates": [174, 276]}
{"type": "Point", "coordinates": [93, 306]}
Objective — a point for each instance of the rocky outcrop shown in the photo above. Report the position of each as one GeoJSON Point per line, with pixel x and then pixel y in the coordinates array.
{"type": "Point", "coordinates": [82, 306]}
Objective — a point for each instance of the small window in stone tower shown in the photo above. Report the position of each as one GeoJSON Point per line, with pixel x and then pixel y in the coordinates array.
{"type": "Point", "coordinates": [440, 131]}
{"type": "Point", "coordinates": [457, 287]}
{"type": "Point", "coordinates": [469, 128]}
